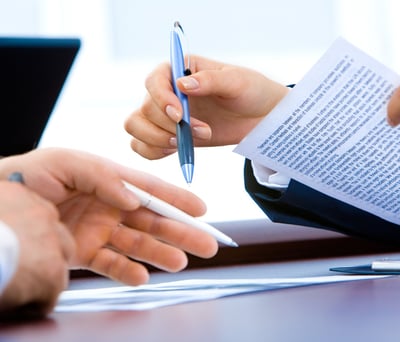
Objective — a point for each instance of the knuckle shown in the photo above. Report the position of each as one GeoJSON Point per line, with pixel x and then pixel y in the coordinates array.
{"type": "Point", "coordinates": [128, 123]}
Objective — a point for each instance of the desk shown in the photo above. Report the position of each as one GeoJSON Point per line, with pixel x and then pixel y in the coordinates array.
{"type": "Point", "coordinates": [363, 310]}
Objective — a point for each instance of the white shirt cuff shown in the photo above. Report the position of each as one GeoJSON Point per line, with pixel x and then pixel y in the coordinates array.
{"type": "Point", "coordinates": [269, 178]}
{"type": "Point", "coordinates": [9, 253]}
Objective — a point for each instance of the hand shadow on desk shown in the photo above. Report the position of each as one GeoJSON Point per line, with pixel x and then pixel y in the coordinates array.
{"type": "Point", "coordinates": [30, 313]}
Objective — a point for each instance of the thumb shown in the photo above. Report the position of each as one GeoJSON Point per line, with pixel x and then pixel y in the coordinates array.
{"type": "Point", "coordinates": [393, 109]}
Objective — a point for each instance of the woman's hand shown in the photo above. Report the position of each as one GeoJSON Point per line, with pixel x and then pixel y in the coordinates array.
{"type": "Point", "coordinates": [226, 102]}
{"type": "Point", "coordinates": [393, 110]}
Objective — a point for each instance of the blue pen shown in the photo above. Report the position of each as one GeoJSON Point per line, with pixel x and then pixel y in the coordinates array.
{"type": "Point", "coordinates": [183, 131]}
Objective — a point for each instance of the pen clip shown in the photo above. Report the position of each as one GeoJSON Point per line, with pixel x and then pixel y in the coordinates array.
{"type": "Point", "coordinates": [184, 44]}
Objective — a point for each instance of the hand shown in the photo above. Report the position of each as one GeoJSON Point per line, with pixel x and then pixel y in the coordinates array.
{"type": "Point", "coordinates": [393, 113]}
{"type": "Point", "coordinates": [226, 102]}
{"type": "Point", "coordinates": [112, 232]}
{"type": "Point", "coordinates": [46, 247]}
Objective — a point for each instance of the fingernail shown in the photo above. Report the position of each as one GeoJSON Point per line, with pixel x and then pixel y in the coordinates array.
{"type": "Point", "coordinates": [202, 132]}
{"type": "Point", "coordinates": [172, 142]}
{"type": "Point", "coordinates": [189, 83]}
{"type": "Point", "coordinates": [132, 198]}
{"type": "Point", "coordinates": [173, 113]}
{"type": "Point", "coordinates": [169, 151]}
{"type": "Point", "coordinates": [391, 122]}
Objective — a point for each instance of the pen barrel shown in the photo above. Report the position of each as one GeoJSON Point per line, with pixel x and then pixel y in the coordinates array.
{"type": "Point", "coordinates": [178, 70]}
{"type": "Point", "coordinates": [183, 131]}
{"type": "Point", "coordinates": [167, 210]}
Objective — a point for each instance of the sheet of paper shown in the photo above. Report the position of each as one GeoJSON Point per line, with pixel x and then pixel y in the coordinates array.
{"type": "Point", "coordinates": [330, 132]}
{"type": "Point", "coordinates": [152, 296]}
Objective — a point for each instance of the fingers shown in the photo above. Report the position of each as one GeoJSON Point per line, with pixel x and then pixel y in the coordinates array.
{"type": "Point", "coordinates": [160, 244]}
{"type": "Point", "coordinates": [153, 131]}
{"type": "Point", "coordinates": [393, 110]}
{"type": "Point", "coordinates": [172, 232]}
{"type": "Point", "coordinates": [153, 125]}
{"type": "Point", "coordinates": [100, 177]}
{"type": "Point", "coordinates": [179, 235]}
{"type": "Point", "coordinates": [225, 83]}
{"type": "Point", "coordinates": [176, 196]}
{"type": "Point", "coordinates": [149, 151]}
{"type": "Point", "coordinates": [118, 267]}
{"type": "Point", "coordinates": [149, 238]}
{"type": "Point", "coordinates": [159, 86]}
{"type": "Point", "coordinates": [69, 172]}
{"type": "Point", "coordinates": [157, 116]}
{"type": "Point", "coordinates": [58, 175]}
{"type": "Point", "coordinates": [144, 247]}
{"type": "Point", "coordinates": [127, 249]}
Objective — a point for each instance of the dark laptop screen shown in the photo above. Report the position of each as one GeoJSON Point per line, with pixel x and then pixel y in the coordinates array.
{"type": "Point", "coordinates": [32, 74]}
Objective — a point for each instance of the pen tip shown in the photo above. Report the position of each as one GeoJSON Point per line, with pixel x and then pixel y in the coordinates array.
{"type": "Point", "coordinates": [187, 170]}
{"type": "Point", "coordinates": [233, 244]}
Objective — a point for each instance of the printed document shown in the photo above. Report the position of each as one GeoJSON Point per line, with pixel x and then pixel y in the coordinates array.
{"type": "Point", "coordinates": [151, 296]}
{"type": "Point", "coordinates": [330, 132]}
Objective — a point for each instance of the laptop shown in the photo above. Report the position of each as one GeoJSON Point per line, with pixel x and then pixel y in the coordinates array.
{"type": "Point", "coordinates": [32, 74]}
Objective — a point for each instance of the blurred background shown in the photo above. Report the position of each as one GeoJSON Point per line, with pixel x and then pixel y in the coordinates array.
{"type": "Point", "coordinates": [123, 40]}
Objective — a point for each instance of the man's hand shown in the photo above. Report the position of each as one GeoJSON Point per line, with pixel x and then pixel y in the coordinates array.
{"type": "Point", "coordinates": [114, 236]}
{"type": "Point", "coordinates": [46, 247]}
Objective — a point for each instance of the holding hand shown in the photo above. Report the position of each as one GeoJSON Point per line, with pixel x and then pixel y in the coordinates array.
{"type": "Point", "coordinates": [226, 102]}
{"type": "Point", "coordinates": [113, 234]}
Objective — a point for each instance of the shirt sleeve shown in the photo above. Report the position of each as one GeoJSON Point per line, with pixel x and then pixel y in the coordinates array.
{"type": "Point", "coordinates": [270, 178]}
{"type": "Point", "coordinates": [9, 253]}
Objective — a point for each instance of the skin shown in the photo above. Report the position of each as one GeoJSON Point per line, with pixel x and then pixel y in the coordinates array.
{"type": "Point", "coordinates": [113, 235]}
{"type": "Point", "coordinates": [393, 111]}
{"type": "Point", "coordinates": [226, 102]}
{"type": "Point", "coordinates": [49, 245]}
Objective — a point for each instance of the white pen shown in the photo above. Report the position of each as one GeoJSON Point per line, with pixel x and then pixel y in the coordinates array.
{"type": "Point", "coordinates": [386, 265]}
{"type": "Point", "coordinates": [167, 210]}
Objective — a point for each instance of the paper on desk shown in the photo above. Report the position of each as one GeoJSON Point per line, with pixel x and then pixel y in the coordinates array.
{"type": "Point", "coordinates": [152, 296]}
{"type": "Point", "coordinates": [330, 132]}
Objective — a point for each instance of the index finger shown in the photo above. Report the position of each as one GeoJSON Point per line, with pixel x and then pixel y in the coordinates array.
{"type": "Point", "coordinates": [174, 195]}
{"type": "Point", "coordinates": [159, 85]}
